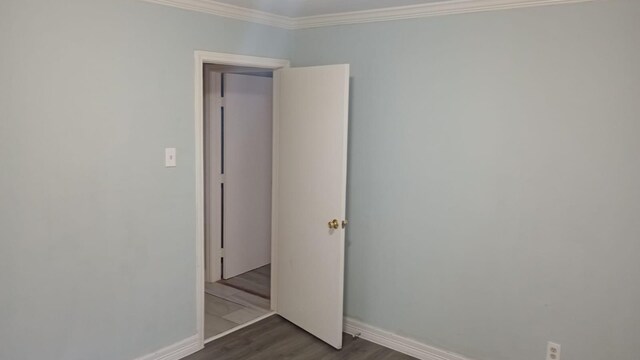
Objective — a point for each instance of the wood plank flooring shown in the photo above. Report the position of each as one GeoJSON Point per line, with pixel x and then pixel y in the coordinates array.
{"type": "Point", "coordinates": [275, 338]}
{"type": "Point", "coordinates": [256, 282]}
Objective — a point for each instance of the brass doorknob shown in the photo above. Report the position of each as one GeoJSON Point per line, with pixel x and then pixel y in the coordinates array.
{"type": "Point", "coordinates": [334, 224]}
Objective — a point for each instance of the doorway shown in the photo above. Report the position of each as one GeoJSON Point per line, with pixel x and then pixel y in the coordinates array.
{"type": "Point", "coordinates": [309, 163]}
{"type": "Point", "coordinates": [238, 181]}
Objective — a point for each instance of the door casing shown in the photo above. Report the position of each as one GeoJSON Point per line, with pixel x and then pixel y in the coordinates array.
{"type": "Point", "coordinates": [202, 58]}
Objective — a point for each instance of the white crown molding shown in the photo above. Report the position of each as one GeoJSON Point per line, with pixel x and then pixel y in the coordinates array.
{"type": "Point", "coordinates": [421, 11]}
{"type": "Point", "coordinates": [231, 11]}
{"type": "Point", "coordinates": [396, 342]}
{"type": "Point", "coordinates": [357, 17]}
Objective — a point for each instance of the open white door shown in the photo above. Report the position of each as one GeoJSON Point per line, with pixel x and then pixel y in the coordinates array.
{"type": "Point", "coordinates": [310, 155]}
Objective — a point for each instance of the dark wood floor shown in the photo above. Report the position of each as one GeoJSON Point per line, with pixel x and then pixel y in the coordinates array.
{"type": "Point", "coordinates": [275, 339]}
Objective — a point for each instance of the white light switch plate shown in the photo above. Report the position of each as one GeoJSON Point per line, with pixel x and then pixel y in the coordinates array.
{"type": "Point", "coordinates": [170, 157]}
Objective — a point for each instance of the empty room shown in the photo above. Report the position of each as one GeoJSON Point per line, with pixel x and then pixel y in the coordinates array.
{"type": "Point", "coordinates": [320, 179]}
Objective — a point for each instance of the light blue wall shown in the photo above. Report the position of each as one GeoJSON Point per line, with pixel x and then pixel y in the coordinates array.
{"type": "Point", "coordinates": [494, 197]}
{"type": "Point", "coordinates": [493, 192]}
{"type": "Point", "coordinates": [97, 249]}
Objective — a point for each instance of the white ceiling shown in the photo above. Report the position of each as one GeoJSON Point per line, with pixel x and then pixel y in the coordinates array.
{"type": "Point", "coordinates": [297, 8]}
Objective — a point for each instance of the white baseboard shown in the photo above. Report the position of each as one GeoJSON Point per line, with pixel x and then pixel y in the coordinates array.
{"type": "Point", "coordinates": [176, 351]}
{"type": "Point", "coordinates": [397, 342]}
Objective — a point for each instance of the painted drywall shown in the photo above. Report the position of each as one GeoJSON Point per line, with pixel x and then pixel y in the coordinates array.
{"type": "Point", "coordinates": [97, 237]}
{"type": "Point", "coordinates": [494, 198]}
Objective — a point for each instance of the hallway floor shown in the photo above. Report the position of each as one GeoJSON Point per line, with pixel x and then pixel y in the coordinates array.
{"type": "Point", "coordinates": [229, 306]}
{"type": "Point", "coordinates": [256, 282]}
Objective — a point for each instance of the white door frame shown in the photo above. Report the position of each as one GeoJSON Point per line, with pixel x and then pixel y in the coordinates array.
{"type": "Point", "coordinates": [201, 58]}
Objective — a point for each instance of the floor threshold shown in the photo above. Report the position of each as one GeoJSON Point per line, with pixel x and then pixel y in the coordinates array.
{"type": "Point", "coordinates": [241, 326]}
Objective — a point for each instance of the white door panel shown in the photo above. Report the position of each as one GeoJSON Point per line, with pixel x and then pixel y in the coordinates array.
{"type": "Point", "coordinates": [312, 121]}
{"type": "Point", "coordinates": [247, 172]}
